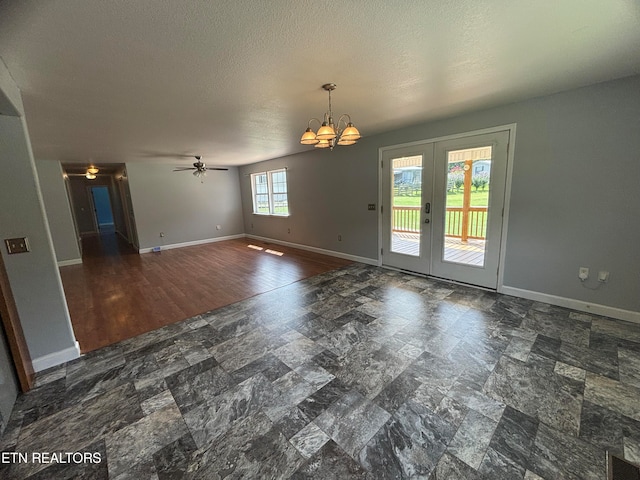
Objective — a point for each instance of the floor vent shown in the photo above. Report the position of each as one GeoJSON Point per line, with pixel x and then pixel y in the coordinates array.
{"type": "Point", "coordinates": [619, 469]}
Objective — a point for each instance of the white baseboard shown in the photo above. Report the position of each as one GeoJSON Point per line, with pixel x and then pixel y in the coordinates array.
{"type": "Point", "coordinates": [191, 244]}
{"type": "Point", "coordinates": [613, 312]}
{"type": "Point", "coordinates": [332, 253]}
{"type": "Point", "coordinates": [56, 358]}
{"type": "Point", "coordinates": [66, 263]}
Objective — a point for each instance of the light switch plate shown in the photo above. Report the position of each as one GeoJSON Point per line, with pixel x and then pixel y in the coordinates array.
{"type": "Point", "coordinates": [17, 245]}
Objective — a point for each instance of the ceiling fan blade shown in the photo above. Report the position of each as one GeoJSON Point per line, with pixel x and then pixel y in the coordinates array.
{"type": "Point", "coordinates": [217, 168]}
{"type": "Point", "coordinates": [181, 169]}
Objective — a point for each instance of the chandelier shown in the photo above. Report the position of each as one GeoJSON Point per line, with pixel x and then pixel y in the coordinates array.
{"type": "Point", "coordinates": [330, 134]}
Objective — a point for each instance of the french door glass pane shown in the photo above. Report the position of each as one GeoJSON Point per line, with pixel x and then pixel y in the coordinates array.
{"type": "Point", "coordinates": [406, 205]}
{"type": "Point", "coordinates": [467, 200]}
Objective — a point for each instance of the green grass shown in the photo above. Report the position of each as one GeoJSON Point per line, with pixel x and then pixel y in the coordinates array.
{"type": "Point", "coordinates": [478, 199]}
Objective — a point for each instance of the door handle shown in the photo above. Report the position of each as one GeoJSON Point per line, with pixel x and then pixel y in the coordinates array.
{"type": "Point", "coordinates": [427, 207]}
{"type": "Point", "coordinates": [426, 220]}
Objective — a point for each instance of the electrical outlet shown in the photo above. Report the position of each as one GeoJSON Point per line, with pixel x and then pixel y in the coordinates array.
{"type": "Point", "coordinates": [161, 234]}
{"type": "Point", "coordinates": [288, 230]}
{"type": "Point", "coordinates": [603, 276]}
{"type": "Point", "coordinates": [339, 238]}
{"type": "Point", "coordinates": [583, 273]}
{"type": "Point", "coordinates": [371, 206]}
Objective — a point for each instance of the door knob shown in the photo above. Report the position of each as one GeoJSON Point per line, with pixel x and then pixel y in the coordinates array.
{"type": "Point", "coordinates": [426, 220]}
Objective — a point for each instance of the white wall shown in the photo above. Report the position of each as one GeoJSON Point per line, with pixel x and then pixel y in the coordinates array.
{"type": "Point", "coordinates": [180, 206]}
{"type": "Point", "coordinates": [58, 211]}
{"type": "Point", "coordinates": [575, 199]}
{"type": "Point", "coordinates": [33, 276]}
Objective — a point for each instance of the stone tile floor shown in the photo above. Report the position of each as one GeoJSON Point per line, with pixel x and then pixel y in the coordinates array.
{"type": "Point", "coordinates": [357, 373]}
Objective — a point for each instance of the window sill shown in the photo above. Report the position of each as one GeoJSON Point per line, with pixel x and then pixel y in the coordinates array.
{"type": "Point", "coordinates": [276, 215]}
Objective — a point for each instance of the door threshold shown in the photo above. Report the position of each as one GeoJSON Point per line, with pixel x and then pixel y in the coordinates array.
{"type": "Point", "coordinates": [446, 280]}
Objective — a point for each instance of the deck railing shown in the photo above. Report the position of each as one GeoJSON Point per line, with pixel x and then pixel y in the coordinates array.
{"type": "Point", "coordinates": [407, 220]}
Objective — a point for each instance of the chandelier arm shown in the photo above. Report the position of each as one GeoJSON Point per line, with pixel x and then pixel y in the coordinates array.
{"type": "Point", "coordinates": [311, 120]}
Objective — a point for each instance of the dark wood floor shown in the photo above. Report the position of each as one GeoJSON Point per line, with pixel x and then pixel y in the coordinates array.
{"type": "Point", "coordinates": [117, 293]}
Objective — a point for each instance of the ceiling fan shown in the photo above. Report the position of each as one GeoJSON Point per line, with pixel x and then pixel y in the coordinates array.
{"type": "Point", "coordinates": [199, 168]}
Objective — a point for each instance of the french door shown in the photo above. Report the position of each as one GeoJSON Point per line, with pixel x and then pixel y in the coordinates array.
{"type": "Point", "coordinates": [406, 207]}
{"type": "Point", "coordinates": [442, 207]}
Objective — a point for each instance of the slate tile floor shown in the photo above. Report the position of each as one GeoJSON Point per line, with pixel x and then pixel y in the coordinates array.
{"type": "Point", "coordinates": [357, 373]}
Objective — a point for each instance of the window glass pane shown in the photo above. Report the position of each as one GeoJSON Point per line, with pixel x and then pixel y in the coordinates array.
{"type": "Point", "coordinates": [262, 203]}
{"type": "Point", "coordinates": [467, 205]}
{"type": "Point", "coordinates": [406, 205]}
{"type": "Point", "coordinates": [279, 192]}
{"type": "Point", "coordinates": [260, 192]}
{"type": "Point", "coordinates": [280, 205]}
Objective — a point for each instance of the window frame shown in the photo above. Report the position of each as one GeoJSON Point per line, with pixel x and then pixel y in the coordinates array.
{"type": "Point", "coordinates": [270, 193]}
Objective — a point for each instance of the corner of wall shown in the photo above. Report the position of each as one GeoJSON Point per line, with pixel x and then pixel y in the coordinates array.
{"type": "Point", "coordinates": [56, 358]}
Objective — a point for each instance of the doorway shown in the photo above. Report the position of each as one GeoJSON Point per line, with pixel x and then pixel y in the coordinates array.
{"type": "Point", "coordinates": [445, 210]}
{"type": "Point", "coordinates": [103, 214]}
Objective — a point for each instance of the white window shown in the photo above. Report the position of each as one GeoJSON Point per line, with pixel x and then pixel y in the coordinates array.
{"type": "Point", "coordinates": [269, 191]}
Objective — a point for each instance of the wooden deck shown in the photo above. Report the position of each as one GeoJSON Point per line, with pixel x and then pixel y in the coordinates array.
{"type": "Point", "coordinates": [469, 253]}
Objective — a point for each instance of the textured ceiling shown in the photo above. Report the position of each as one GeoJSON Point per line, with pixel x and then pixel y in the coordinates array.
{"type": "Point", "coordinates": [236, 81]}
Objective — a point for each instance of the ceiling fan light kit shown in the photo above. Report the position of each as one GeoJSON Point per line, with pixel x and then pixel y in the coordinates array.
{"type": "Point", "coordinates": [344, 130]}
{"type": "Point", "coordinates": [91, 172]}
{"type": "Point", "coordinates": [199, 168]}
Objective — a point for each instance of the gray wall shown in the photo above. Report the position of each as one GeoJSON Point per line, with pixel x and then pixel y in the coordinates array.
{"type": "Point", "coordinates": [58, 210]}
{"type": "Point", "coordinates": [34, 277]}
{"type": "Point", "coordinates": [328, 196]}
{"type": "Point", "coordinates": [180, 206]}
{"type": "Point", "coordinates": [127, 208]}
{"type": "Point", "coordinates": [575, 199]}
